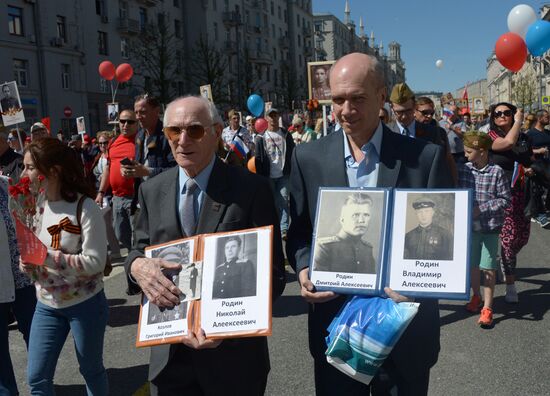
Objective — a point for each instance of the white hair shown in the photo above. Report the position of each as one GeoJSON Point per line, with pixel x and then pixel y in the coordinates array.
{"type": "Point", "coordinates": [212, 110]}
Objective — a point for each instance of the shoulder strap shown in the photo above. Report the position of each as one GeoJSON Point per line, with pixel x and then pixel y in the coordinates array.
{"type": "Point", "coordinates": [79, 210]}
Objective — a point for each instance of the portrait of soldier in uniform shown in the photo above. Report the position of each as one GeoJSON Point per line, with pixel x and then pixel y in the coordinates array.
{"type": "Point", "coordinates": [9, 97]}
{"type": "Point", "coordinates": [427, 241]}
{"type": "Point", "coordinates": [348, 251]}
{"type": "Point", "coordinates": [234, 277]}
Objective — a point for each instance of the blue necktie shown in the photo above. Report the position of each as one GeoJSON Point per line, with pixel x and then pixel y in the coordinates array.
{"type": "Point", "coordinates": [187, 209]}
{"type": "Point", "coordinates": [406, 131]}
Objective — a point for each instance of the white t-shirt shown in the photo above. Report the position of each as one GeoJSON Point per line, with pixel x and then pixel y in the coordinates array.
{"type": "Point", "coordinates": [275, 147]}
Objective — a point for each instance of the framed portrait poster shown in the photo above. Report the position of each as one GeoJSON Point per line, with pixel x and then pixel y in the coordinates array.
{"type": "Point", "coordinates": [478, 107]}
{"type": "Point", "coordinates": [318, 74]}
{"type": "Point", "coordinates": [112, 113]}
{"type": "Point", "coordinates": [430, 243]}
{"type": "Point", "coordinates": [236, 293]}
{"type": "Point", "coordinates": [206, 92]}
{"type": "Point", "coordinates": [414, 241]}
{"type": "Point", "coordinates": [10, 104]}
{"type": "Point", "coordinates": [348, 243]}
{"type": "Point", "coordinates": [225, 284]}
{"type": "Point", "coordinates": [163, 325]}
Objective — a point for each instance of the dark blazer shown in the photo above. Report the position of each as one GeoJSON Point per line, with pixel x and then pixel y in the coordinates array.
{"type": "Point", "coordinates": [235, 199]}
{"type": "Point", "coordinates": [404, 163]}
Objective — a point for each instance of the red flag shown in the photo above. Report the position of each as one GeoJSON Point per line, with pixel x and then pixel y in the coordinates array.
{"type": "Point", "coordinates": [465, 97]}
{"type": "Point", "coordinates": [46, 121]}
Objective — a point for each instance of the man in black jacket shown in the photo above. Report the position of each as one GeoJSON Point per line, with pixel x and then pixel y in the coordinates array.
{"type": "Point", "coordinates": [224, 198]}
{"type": "Point", "coordinates": [358, 93]}
{"type": "Point", "coordinates": [11, 163]}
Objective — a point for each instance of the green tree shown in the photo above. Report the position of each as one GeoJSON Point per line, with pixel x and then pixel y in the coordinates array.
{"type": "Point", "coordinates": [524, 89]}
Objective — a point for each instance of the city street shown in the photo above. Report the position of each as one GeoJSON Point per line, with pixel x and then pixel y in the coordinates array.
{"type": "Point", "coordinates": [510, 359]}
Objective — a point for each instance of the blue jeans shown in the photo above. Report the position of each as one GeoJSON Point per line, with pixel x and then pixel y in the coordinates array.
{"type": "Point", "coordinates": [280, 194]}
{"type": "Point", "coordinates": [122, 220]}
{"type": "Point", "coordinates": [23, 309]}
{"type": "Point", "coordinates": [49, 330]}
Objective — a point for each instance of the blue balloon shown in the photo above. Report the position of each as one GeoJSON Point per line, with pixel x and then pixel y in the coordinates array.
{"type": "Point", "coordinates": [538, 38]}
{"type": "Point", "coordinates": [255, 105]}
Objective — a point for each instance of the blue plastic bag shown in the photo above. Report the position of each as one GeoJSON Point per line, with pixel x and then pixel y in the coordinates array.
{"type": "Point", "coordinates": [364, 333]}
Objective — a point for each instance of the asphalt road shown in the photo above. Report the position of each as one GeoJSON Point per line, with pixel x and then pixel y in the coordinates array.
{"type": "Point", "coordinates": [510, 359]}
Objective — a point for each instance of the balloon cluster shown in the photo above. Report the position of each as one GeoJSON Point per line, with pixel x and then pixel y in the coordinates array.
{"type": "Point", "coordinates": [122, 72]}
{"type": "Point", "coordinates": [256, 105]}
{"type": "Point", "coordinates": [526, 33]}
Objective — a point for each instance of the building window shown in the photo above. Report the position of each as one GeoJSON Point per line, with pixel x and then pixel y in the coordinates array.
{"type": "Point", "coordinates": [273, 33]}
{"type": "Point", "coordinates": [272, 8]}
{"type": "Point", "coordinates": [274, 53]}
{"type": "Point", "coordinates": [124, 48]}
{"type": "Point", "coordinates": [160, 21]}
{"type": "Point", "coordinates": [176, 3]}
{"type": "Point", "coordinates": [103, 49]}
{"type": "Point", "coordinates": [61, 28]}
{"type": "Point", "coordinates": [15, 20]}
{"type": "Point", "coordinates": [100, 7]}
{"type": "Point", "coordinates": [123, 9]}
{"type": "Point", "coordinates": [216, 36]}
{"type": "Point", "coordinates": [103, 85]}
{"type": "Point", "coordinates": [279, 12]}
{"type": "Point", "coordinates": [247, 17]}
{"type": "Point", "coordinates": [299, 41]}
{"type": "Point", "coordinates": [258, 20]}
{"type": "Point", "coordinates": [20, 67]}
{"type": "Point", "coordinates": [65, 76]}
{"type": "Point", "coordinates": [298, 20]}
{"type": "Point", "coordinates": [177, 28]}
{"type": "Point", "coordinates": [215, 6]}
{"type": "Point", "coordinates": [142, 19]}
{"type": "Point", "coordinates": [179, 66]}
{"type": "Point", "coordinates": [258, 44]}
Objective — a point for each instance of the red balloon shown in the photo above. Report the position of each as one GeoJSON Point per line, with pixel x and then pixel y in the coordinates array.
{"type": "Point", "coordinates": [107, 70]}
{"type": "Point", "coordinates": [124, 72]}
{"type": "Point", "coordinates": [260, 125]}
{"type": "Point", "coordinates": [511, 51]}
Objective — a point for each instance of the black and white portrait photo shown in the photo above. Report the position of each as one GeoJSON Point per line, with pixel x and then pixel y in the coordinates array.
{"type": "Point", "coordinates": [188, 280]}
{"type": "Point", "coordinates": [318, 79]}
{"type": "Point", "coordinates": [429, 226]}
{"type": "Point", "coordinates": [112, 112]}
{"type": "Point", "coordinates": [348, 231]}
{"type": "Point", "coordinates": [10, 97]}
{"type": "Point", "coordinates": [161, 315]}
{"type": "Point", "coordinates": [80, 124]}
{"type": "Point", "coordinates": [236, 267]}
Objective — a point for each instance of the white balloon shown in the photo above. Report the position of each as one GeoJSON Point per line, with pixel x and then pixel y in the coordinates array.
{"type": "Point", "coordinates": [439, 64]}
{"type": "Point", "coordinates": [520, 18]}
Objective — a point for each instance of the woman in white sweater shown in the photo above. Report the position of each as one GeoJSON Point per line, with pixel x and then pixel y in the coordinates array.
{"type": "Point", "coordinates": [69, 284]}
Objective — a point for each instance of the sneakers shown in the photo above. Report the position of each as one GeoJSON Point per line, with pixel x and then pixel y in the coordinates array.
{"type": "Point", "coordinates": [486, 317]}
{"type": "Point", "coordinates": [511, 294]}
{"type": "Point", "coordinates": [474, 304]}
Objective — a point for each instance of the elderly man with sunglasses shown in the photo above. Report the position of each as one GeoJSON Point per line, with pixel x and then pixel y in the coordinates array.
{"type": "Point", "coordinates": [200, 195]}
{"type": "Point", "coordinates": [120, 178]}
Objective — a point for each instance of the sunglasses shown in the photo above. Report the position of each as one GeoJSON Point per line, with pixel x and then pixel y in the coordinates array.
{"type": "Point", "coordinates": [506, 113]}
{"type": "Point", "coordinates": [103, 143]}
{"type": "Point", "coordinates": [195, 132]}
{"type": "Point", "coordinates": [129, 122]}
{"type": "Point", "coordinates": [426, 113]}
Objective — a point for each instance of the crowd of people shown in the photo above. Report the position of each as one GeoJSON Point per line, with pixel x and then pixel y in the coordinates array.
{"type": "Point", "coordinates": [115, 192]}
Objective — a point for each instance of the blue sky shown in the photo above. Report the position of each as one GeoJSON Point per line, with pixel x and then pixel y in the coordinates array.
{"type": "Point", "coordinates": [462, 34]}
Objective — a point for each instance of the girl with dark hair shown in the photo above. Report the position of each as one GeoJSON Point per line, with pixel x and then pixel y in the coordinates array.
{"type": "Point", "coordinates": [69, 285]}
{"type": "Point", "coordinates": [511, 151]}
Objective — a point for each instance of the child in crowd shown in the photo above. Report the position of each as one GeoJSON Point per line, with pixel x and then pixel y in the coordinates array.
{"type": "Point", "coordinates": [492, 195]}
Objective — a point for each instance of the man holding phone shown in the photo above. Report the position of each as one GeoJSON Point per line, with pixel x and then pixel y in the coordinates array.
{"type": "Point", "coordinates": [119, 175]}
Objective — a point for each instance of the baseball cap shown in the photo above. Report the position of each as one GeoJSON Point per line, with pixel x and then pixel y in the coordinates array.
{"type": "Point", "coordinates": [37, 126]}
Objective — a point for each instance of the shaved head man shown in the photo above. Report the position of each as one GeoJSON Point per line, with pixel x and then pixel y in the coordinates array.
{"type": "Point", "coordinates": [364, 154]}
